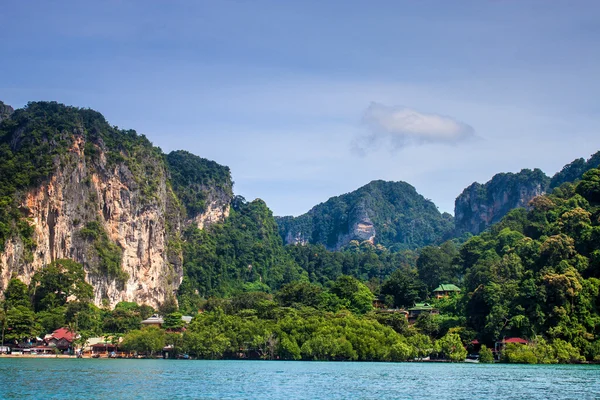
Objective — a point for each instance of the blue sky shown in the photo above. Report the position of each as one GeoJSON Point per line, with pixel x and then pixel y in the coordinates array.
{"type": "Point", "coordinates": [305, 100]}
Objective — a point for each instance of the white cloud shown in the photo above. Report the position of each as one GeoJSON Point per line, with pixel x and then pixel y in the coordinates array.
{"type": "Point", "coordinates": [402, 126]}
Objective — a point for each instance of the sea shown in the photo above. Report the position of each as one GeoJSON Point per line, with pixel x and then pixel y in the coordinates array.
{"type": "Point", "coordinates": [52, 378]}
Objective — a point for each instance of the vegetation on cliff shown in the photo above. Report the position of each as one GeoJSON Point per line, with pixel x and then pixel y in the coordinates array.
{"type": "Point", "coordinates": [400, 218]}
{"type": "Point", "coordinates": [39, 139]}
{"type": "Point", "coordinates": [535, 273]}
{"type": "Point", "coordinates": [245, 251]}
{"type": "Point", "coordinates": [575, 170]}
{"type": "Point", "coordinates": [481, 205]}
{"type": "Point", "coordinates": [195, 179]}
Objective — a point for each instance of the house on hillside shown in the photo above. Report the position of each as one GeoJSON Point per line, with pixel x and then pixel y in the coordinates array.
{"type": "Point", "coordinates": [501, 344]}
{"type": "Point", "coordinates": [61, 338]}
{"type": "Point", "coordinates": [155, 320]}
{"type": "Point", "coordinates": [378, 303]}
{"type": "Point", "coordinates": [420, 308]}
{"type": "Point", "coordinates": [445, 290]}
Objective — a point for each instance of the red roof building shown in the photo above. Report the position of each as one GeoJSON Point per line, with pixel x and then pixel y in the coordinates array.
{"type": "Point", "coordinates": [500, 344]}
{"type": "Point", "coordinates": [515, 340]}
{"type": "Point", "coordinates": [62, 338]}
{"type": "Point", "coordinates": [63, 333]}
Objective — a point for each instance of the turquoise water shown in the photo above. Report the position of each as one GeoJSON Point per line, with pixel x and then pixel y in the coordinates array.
{"type": "Point", "coordinates": [167, 379]}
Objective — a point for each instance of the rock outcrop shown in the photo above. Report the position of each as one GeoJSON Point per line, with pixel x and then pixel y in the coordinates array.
{"type": "Point", "coordinates": [107, 203]}
{"type": "Point", "coordinates": [481, 205]}
{"type": "Point", "coordinates": [5, 111]}
{"type": "Point", "coordinates": [389, 213]}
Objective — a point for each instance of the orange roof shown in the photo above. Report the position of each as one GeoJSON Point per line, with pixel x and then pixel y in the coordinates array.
{"type": "Point", "coordinates": [64, 333]}
{"type": "Point", "coordinates": [515, 340]}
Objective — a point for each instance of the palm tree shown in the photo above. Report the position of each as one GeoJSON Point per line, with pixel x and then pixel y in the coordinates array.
{"type": "Point", "coordinates": [72, 327]}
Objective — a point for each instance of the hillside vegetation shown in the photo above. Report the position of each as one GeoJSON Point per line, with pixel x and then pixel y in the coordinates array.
{"type": "Point", "coordinates": [392, 214]}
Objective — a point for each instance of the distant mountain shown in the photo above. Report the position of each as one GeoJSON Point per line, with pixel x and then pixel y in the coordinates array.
{"type": "Point", "coordinates": [392, 214]}
{"type": "Point", "coordinates": [481, 205]}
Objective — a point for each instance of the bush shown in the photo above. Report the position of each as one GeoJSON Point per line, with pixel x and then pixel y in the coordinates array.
{"type": "Point", "coordinates": [486, 355]}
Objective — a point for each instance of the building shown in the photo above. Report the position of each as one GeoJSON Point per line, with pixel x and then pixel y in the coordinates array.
{"type": "Point", "coordinates": [445, 290]}
{"type": "Point", "coordinates": [501, 344]}
{"type": "Point", "coordinates": [155, 320]}
{"type": "Point", "coordinates": [420, 308]}
{"type": "Point", "coordinates": [378, 303]}
{"type": "Point", "coordinates": [61, 338]}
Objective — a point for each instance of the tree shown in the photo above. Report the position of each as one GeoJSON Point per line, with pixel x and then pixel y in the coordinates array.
{"type": "Point", "coordinates": [405, 288]}
{"type": "Point", "coordinates": [149, 340]}
{"type": "Point", "coordinates": [168, 306]}
{"type": "Point", "coordinates": [58, 281]}
{"type": "Point", "coordinates": [206, 342]}
{"type": "Point", "coordinates": [52, 319]}
{"type": "Point", "coordinates": [589, 187]}
{"type": "Point", "coordinates": [173, 321]}
{"type": "Point", "coordinates": [121, 320]}
{"type": "Point", "coordinates": [20, 323]}
{"type": "Point", "coordinates": [485, 355]}
{"type": "Point", "coordinates": [451, 347]}
{"type": "Point", "coordinates": [298, 294]}
{"type": "Point", "coordinates": [356, 292]}
{"type": "Point", "coordinates": [16, 294]}
{"type": "Point", "coordinates": [421, 344]}
{"type": "Point", "coordinates": [435, 265]}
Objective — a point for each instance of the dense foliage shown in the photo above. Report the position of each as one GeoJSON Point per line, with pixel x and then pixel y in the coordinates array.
{"type": "Point", "coordinates": [574, 170]}
{"type": "Point", "coordinates": [193, 178]}
{"type": "Point", "coordinates": [481, 205]}
{"type": "Point", "coordinates": [402, 218]}
{"type": "Point", "coordinates": [537, 272]}
{"type": "Point", "coordinates": [58, 296]}
{"type": "Point", "coordinates": [243, 252]}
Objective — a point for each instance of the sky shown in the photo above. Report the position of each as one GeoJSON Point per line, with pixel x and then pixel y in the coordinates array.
{"type": "Point", "coordinates": [305, 100]}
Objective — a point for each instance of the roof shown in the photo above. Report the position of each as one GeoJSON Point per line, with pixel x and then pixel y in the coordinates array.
{"type": "Point", "coordinates": [515, 340]}
{"type": "Point", "coordinates": [421, 306]}
{"type": "Point", "coordinates": [63, 333]}
{"type": "Point", "coordinates": [104, 346]}
{"type": "Point", "coordinates": [186, 318]}
{"type": "Point", "coordinates": [447, 287]}
{"type": "Point", "coordinates": [155, 319]}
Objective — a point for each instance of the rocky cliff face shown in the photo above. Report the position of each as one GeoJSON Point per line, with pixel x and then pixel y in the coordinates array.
{"type": "Point", "coordinates": [481, 205]}
{"type": "Point", "coordinates": [389, 213]}
{"type": "Point", "coordinates": [203, 186]}
{"type": "Point", "coordinates": [109, 208]}
{"type": "Point", "coordinates": [5, 111]}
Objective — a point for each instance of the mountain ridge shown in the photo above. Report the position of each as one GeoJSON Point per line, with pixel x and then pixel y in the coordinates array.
{"type": "Point", "coordinates": [381, 212]}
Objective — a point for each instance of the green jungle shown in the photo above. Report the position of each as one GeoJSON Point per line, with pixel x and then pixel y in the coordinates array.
{"type": "Point", "coordinates": [535, 274]}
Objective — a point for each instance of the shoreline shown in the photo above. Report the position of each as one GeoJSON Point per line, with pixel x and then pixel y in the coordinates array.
{"type": "Point", "coordinates": [103, 357]}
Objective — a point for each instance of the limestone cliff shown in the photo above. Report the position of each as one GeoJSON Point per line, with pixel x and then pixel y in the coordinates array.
{"type": "Point", "coordinates": [203, 186]}
{"type": "Point", "coordinates": [5, 111]}
{"type": "Point", "coordinates": [389, 213]}
{"type": "Point", "coordinates": [481, 205]}
{"type": "Point", "coordinates": [97, 195]}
